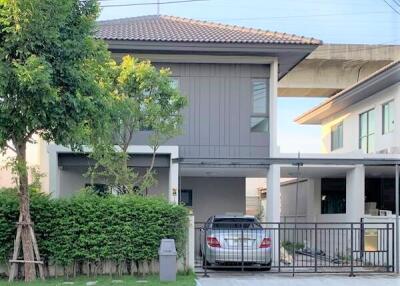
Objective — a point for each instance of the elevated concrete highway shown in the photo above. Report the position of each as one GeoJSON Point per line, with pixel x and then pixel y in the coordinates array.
{"type": "Point", "coordinates": [333, 67]}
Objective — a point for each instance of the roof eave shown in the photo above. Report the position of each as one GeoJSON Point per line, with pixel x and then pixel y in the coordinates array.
{"type": "Point", "coordinates": [174, 46]}
{"type": "Point", "coordinates": [289, 55]}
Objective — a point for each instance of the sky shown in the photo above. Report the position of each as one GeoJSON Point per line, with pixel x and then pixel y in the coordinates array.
{"type": "Point", "coordinates": [332, 21]}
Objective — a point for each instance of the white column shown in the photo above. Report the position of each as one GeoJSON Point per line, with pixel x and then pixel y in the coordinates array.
{"type": "Point", "coordinates": [273, 107]}
{"type": "Point", "coordinates": [173, 182]}
{"type": "Point", "coordinates": [355, 193]}
{"type": "Point", "coordinates": [273, 206]}
{"type": "Point", "coordinates": [273, 202]}
{"type": "Point", "coordinates": [190, 244]}
{"type": "Point", "coordinates": [54, 171]}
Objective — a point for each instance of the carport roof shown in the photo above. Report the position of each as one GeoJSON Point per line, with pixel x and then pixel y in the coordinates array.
{"type": "Point", "coordinates": [308, 159]}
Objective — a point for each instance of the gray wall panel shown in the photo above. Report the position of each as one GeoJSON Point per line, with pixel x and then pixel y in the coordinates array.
{"type": "Point", "coordinates": [217, 120]}
{"type": "Point", "coordinates": [216, 195]}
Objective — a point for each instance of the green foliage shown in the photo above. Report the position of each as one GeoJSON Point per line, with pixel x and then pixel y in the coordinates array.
{"type": "Point", "coordinates": [290, 246]}
{"type": "Point", "coordinates": [144, 98]}
{"type": "Point", "coordinates": [90, 228]}
{"type": "Point", "coordinates": [53, 73]}
{"type": "Point", "coordinates": [54, 82]}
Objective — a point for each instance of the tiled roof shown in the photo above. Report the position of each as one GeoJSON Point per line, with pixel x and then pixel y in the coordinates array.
{"type": "Point", "coordinates": [176, 29]}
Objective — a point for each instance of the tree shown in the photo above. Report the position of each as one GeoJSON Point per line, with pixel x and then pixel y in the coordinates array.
{"type": "Point", "coordinates": [144, 98]}
{"type": "Point", "coordinates": [53, 82]}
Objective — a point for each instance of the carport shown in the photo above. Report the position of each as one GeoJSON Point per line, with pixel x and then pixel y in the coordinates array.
{"type": "Point", "coordinates": [272, 167]}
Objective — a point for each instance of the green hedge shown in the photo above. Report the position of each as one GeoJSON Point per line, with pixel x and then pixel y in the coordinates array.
{"type": "Point", "coordinates": [89, 228]}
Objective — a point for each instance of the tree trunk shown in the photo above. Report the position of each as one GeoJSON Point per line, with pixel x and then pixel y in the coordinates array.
{"type": "Point", "coordinates": [26, 238]}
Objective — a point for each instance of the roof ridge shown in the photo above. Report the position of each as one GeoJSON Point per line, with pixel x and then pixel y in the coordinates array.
{"type": "Point", "coordinates": [237, 27]}
{"type": "Point", "coordinates": [127, 19]}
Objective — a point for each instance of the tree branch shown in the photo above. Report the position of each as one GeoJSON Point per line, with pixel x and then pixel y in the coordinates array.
{"type": "Point", "coordinates": [11, 148]}
{"type": "Point", "coordinates": [28, 136]}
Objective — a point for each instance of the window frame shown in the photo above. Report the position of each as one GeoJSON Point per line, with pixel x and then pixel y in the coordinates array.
{"type": "Point", "coordinates": [255, 114]}
{"type": "Point", "coordinates": [369, 135]}
{"type": "Point", "coordinates": [190, 192]}
{"type": "Point", "coordinates": [390, 127]}
{"type": "Point", "coordinates": [334, 131]}
{"type": "Point", "coordinates": [332, 196]}
{"type": "Point", "coordinates": [175, 82]}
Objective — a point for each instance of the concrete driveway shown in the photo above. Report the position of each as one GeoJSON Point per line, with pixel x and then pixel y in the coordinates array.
{"type": "Point", "coordinates": [228, 279]}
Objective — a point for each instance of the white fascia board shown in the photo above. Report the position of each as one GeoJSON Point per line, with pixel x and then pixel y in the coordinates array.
{"type": "Point", "coordinates": [352, 155]}
{"type": "Point", "coordinates": [179, 58]}
{"type": "Point", "coordinates": [173, 151]}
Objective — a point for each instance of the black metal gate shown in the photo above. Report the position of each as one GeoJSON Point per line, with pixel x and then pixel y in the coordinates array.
{"type": "Point", "coordinates": [301, 247]}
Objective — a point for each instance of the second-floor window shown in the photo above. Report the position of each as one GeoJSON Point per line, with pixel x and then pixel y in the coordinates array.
{"type": "Point", "coordinates": [259, 118]}
{"type": "Point", "coordinates": [175, 82]}
{"type": "Point", "coordinates": [337, 136]}
{"type": "Point", "coordinates": [367, 131]}
{"type": "Point", "coordinates": [388, 117]}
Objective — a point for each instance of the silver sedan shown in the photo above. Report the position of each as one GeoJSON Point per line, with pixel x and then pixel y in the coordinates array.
{"type": "Point", "coordinates": [235, 239]}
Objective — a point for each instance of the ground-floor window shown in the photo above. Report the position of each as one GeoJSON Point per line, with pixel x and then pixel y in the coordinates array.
{"type": "Point", "coordinates": [379, 195]}
{"type": "Point", "coordinates": [100, 189]}
{"type": "Point", "coordinates": [186, 197]}
{"type": "Point", "coordinates": [333, 195]}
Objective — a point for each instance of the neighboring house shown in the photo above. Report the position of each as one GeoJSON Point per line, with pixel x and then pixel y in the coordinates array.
{"type": "Point", "coordinates": [230, 76]}
{"type": "Point", "coordinates": [361, 121]}
{"type": "Point", "coordinates": [254, 187]}
{"type": "Point", "coordinates": [329, 69]}
{"type": "Point", "coordinates": [361, 117]}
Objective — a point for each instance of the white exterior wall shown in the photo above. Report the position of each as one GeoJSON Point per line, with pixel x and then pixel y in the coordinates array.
{"type": "Point", "coordinates": [37, 157]}
{"type": "Point", "coordinates": [350, 118]}
{"type": "Point", "coordinates": [306, 201]}
{"type": "Point", "coordinates": [309, 204]}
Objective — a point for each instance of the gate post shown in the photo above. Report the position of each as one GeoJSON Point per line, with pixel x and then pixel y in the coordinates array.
{"type": "Point", "coordinates": [351, 251]}
{"type": "Point", "coordinates": [279, 247]}
{"type": "Point", "coordinates": [315, 248]}
{"type": "Point", "coordinates": [190, 253]}
{"type": "Point", "coordinates": [205, 251]}
{"type": "Point", "coordinates": [242, 237]}
{"type": "Point", "coordinates": [387, 248]}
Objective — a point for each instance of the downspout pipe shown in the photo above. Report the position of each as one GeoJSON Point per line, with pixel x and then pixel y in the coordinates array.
{"type": "Point", "coordinates": [397, 197]}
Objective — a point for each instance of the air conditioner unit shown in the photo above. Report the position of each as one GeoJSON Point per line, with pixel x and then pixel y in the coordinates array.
{"type": "Point", "coordinates": [390, 150]}
{"type": "Point", "coordinates": [385, 213]}
{"type": "Point", "coordinates": [383, 151]}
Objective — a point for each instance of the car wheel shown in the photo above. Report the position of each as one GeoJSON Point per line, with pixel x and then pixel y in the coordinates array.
{"type": "Point", "coordinates": [267, 266]}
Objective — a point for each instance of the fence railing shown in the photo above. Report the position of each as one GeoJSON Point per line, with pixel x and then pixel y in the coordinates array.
{"type": "Point", "coordinates": [298, 248]}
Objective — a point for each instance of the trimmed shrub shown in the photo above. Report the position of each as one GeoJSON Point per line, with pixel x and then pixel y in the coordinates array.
{"type": "Point", "coordinates": [90, 228]}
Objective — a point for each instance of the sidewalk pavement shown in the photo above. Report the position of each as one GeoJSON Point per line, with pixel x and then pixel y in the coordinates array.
{"type": "Point", "coordinates": [228, 279]}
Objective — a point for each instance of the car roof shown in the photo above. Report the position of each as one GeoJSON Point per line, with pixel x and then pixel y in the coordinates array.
{"type": "Point", "coordinates": [234, 216]}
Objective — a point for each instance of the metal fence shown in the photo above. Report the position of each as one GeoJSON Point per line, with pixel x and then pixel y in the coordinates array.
{"type": "Point", "coordinates": [296, 248]}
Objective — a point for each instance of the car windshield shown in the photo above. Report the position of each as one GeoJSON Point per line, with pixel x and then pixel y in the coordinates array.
{"type": "Point", "coordinates": [230, 223]}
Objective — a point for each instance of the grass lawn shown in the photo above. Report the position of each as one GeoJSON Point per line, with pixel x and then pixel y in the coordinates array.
{"type": "Point", "coordinates": [182, 280]}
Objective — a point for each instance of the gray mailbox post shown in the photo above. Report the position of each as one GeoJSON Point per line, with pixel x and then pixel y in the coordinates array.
{"type": "Point", "coordinates": [167, 255]}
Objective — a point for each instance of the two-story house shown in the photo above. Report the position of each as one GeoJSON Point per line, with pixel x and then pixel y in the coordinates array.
{"type": "Point", "coordinates": [361, 121]}
{"type": "Point", "coordinates": [229, 75]}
